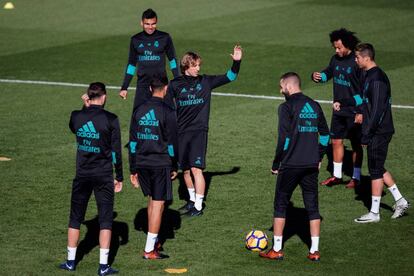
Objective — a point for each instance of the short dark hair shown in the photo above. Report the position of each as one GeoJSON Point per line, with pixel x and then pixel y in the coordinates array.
{"type": "Point", "coordinates": [96, 89]}
{"type": "Point", "coordinates": [348, 38]}
{"type": "Point", "coordinates": [189, 59]}
{"type": "Point", "coordinates": [291, 75]}
{"type": "Point", "coordinates": [366, 49]}
{"type": "Point", "coordinates": [158, 82]}
{"type": "Point", "coordinates": [148, 14]}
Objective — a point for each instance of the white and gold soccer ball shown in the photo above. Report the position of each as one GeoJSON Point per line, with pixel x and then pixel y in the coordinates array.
{"type": "Point", "coordinates": [256, 240]}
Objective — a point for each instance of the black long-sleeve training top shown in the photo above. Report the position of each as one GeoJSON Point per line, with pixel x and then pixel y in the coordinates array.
{"type": "Point", "coordinates": [147, 57]}
{"type": "Point", "coordinates": [377, 105]}
{"type": "Point", "coordinates": [98, 141]}
{"type": "Point", "coordinates": [193, 96]}
{"type": "Point", "coordinates": [347, 82]}
{"type": "Point", "coordinates": [153, 136]}
{"type": "Point", "coordinates": [303, 134]}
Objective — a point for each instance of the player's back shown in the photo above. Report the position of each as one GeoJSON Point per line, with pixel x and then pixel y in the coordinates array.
{"type": "Point", "coordinates": [93, 127]}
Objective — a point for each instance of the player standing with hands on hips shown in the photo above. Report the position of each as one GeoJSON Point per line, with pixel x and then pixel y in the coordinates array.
{"type": "Point", "coordinates": [192, 95]}
{"type": "Point", "coordinates": [303, 137]}
{"type": "Point", "coordinates": [98, 138]}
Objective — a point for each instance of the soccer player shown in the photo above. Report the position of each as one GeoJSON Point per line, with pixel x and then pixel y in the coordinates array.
{"type": "Point", "coordinates": [98, 138]}
{"type": "Point", "coordinates": [152, 158]}
{"type": "Point", "coordinates": [302, 142]}
{"type": "Point", "coordinates": [345, 123]}
{"type": "Point", "coordinates": [377, 130]}
{"type": "Point", "coordinates": [192, 94]}
{"type": "Point", "coordinates": [147, 57]}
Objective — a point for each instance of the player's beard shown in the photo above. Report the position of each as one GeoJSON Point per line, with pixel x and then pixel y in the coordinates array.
{"type": "Point", "coordinates": [286, 94]}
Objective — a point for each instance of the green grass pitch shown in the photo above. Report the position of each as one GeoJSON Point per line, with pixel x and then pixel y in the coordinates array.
{"type": "Point", "coordinates": [85, 41]}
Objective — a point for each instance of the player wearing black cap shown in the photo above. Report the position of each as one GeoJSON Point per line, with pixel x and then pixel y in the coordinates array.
{"type": "Point", "coordinates": [303, 136]}
{"type": "Point", "coordinates": [147, 53]}
{"type": "Point", "coordinates": [152, 157]}
{"type": "Point", "coordinates": [98, 141]}
{"type": "Point", "coordinates": [192, 94]}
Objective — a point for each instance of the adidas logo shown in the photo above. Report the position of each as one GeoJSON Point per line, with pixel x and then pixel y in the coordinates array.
{"type": "Point", "coordinates": [141, 45]}
{"type": "Point", "coordinates": [149, 119]}
{"type": "Point", "coordinates": [307, 112]}
{"type": "Point", "coordinates": [184, 90]}
{"type": "Point", "coordinates": [88, 131]}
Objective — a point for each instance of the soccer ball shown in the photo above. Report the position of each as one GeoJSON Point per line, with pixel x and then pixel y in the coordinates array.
{"type": "Point", "coordinates": [256, 240]}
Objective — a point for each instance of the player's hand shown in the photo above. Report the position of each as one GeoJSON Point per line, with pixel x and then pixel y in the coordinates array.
{"type": "Point", "coordinates": [85, 99]}
{"type": "Point", "coordinates": [117, 186]}
{"type": "Point", "coordinates": [237, 52]}
{"type": "Point", "coordinates": [134, 180]}
{"type": "Point", "coordinates": [123, 94]}
{"type": "Point", "coordinates": [274, 171]}
{"type": "Point", "coordinates": [173, 175]}
{"type": "Point", "coordinates": [316, 76]}
{"type": "Point", "coordinates": [358, 119]}
{"type": "Point", "coordinates": [336, 106]}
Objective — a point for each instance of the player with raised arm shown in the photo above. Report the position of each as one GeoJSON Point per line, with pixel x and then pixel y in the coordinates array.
{"type": "Point", "coordinates": [303, 136]}
{"type": "Point", "coordinates": [146, 58]}
{"type": "Point", "coordinates": [98, 140]}
{"type": "Point", "coordinates": [152, 158]}
{"type": "Point", "coordinates": [346, 123]}
{"type": "Point", "coordinates": [192, 95]}
{"type": "Point", "coordinates": [377, 131]}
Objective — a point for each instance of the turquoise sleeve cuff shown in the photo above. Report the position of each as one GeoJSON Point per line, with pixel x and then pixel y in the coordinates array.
{"type": "Point", "coordinates": [133, 147]}
{"type": "Point", "coordinates": [171, 150]}
{"type": "Point", "coordinates": [323, 140]}
{"type": "Point", "coordinates": [173, 64]}
{"type": "Point", "coordinates": [324, 78]}
{"type": "Point", "coordinates": [131, 69]}
{"type": "Point", "coordinates": [358, 100]}
{"type": "Point", "coordinates": [287, 141]}
{"type": "Point", "coordinates": [231, 75]}
{"type": "Point", "coordinates": [113, 157]}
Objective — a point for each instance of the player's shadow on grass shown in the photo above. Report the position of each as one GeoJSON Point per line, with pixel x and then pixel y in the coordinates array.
{"type": "Point", "coordinates": [171, 221]}
{"type": "Point", "coordinates": [297, 223]}
{"type": "Point", "coordinates": [120, 236]}
{"type": "Point", "coordinates": [208, 176]}
{"type": "Point", "coordinates": [363, 193]}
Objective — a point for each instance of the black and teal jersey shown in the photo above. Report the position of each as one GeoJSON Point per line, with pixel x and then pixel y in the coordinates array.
{"type": "Point", "coordinates": [377, 105]}
{"type": "Point", "coordinates": [98, 142]}
{"type": "Point", "coordinates": [147, 57]}
{"type": "Point", "coordinates": [153, 136]}
{"type": "Point", "coordinates": [347, 80]}
{"type": "Point", "coordinates": [193, 96]}
{"type": "Point", "coordinates": [303, 134]}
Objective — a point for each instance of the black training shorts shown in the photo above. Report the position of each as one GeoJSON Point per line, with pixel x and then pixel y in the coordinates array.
{"type": "Point", "coordinates": [156, 183]}
{"type": "Point", "coordinates": [192, 149]}
{"type": "Point", "coordinates": [103, 188]}
{"type": "Point", "coordinates": [377, 154]}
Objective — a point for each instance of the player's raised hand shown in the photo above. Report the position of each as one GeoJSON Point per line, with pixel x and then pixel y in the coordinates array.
{"type": "Point", "coordinates": [237, 52]}
{"type": "Point", "coordinates": [134, 180]}
{"type": "Point", "coordinates": [316, 76]}
{"type": "Point", "coordinates": [85, 99]}
{"type": "Point", "coordinates": [123, 94]}
{"type": "Point", "coordinates": [117, 186]}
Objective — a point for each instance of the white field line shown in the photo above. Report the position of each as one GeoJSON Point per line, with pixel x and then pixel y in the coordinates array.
{"type": "Point", "coordinates": [214, 93]}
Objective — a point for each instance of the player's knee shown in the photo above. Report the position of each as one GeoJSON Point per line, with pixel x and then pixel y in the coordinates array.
{"type": "Point", "coordinates": [74, 223]}
{"type": "Point", "coordinates": [337, 142]}
{"type": "Point", "coordinates": [196, 171]}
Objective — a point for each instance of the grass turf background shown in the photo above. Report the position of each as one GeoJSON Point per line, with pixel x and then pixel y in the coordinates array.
{"type": "Point", "coordinates": [84, 41]}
